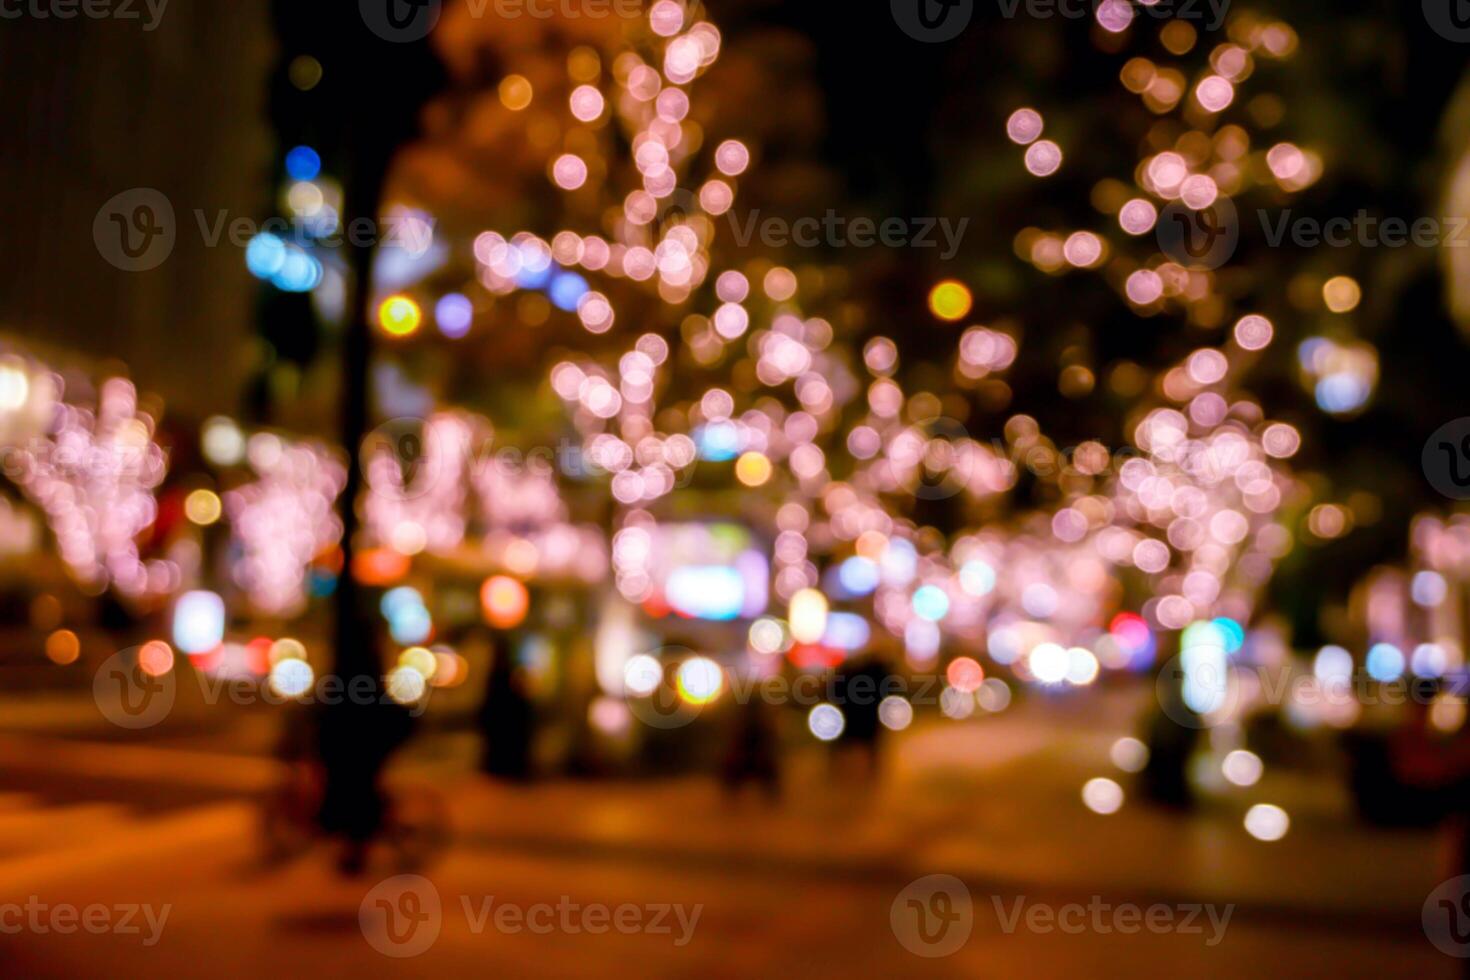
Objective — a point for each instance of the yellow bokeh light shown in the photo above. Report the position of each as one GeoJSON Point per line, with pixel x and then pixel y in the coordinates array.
{"type": "Point", "coordinates": [305, 198]}
{"type": "Point", "coordinates": [808, 616]}
{"type": "Point", "coordinates": [950, 300]}
{"type": "Point", "coordinates": [286, 648]}
{"type": "Point", "coordinates": [400, 316]}
{"type": "Point", "coordinates": [1342, 294]}
{"type": "Point", "coordinates": [305, 72]}
{"type": "Point", "coordinates": [699, 680]}
{"type": "Point", "coordinates": [421, 660]}
{"type": "Point", "coordinates": [753, 469]}
{"type": "Point", "coordinates": [584, 64]}
{"type": "Point", "coordinates": [203, 507]}
{"type": "Point", "coordinates": [515, 92]}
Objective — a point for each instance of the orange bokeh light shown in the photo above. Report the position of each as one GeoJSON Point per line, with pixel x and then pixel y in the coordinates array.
{"type": "Point", "coordinates": [505, 601]}
{"type": "Point", "coordinates": [63, 647]}
{"type": "Point", "coordinates": [155, 658]}
{"type": "Point", "coordinates": [379, 566]}
{"type": "Point", "coordinates": [965, 673]}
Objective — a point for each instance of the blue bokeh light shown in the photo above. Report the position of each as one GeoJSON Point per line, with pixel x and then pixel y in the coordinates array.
{"type": "Point", "coordinates": [454, 313]}
{"type": "Point", "coordinates": [718, 442]}
{"type": "Point", "coordinates": [1385, 662]}
{"type": "Point", "coordinates": [858, 575]}
{"type": "Point", "coordinates": [299, 272]}
{"type": "Point", "coordinates": [566, 289]}
{"type": "Point", "coordinates": [303, 163]}
{"type": "Point", "coordinates": [931, 603]}
{"type": "Point", "coordinates": [1233, 633]}
{"type": "Point", "coordinates": [265, 255]}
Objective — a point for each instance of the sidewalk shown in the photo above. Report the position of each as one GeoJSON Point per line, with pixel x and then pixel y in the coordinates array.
{"type": "Point", "coordinates": [1010, 823]}
{"type": "Point", "coordinates": [994, 801]}
{"type": "Point", "coordinates": [804, 886]}
{"type": "Point", "coordinates": [759, 913]}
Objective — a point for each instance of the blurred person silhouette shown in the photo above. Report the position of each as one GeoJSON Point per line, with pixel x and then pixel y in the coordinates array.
{"type": "Point", "coordinates": [859, 685]}
{"type": "Point", "coordinates": [1430, 753]}
{"type": "Point", "coordinates": [506, 717]}
{"type": "Point", "coordinates": [290, 808]}
{"type": "Point", "coordinates": [1171, 743]}
{"type": "Point", "coordinates": [353, 759]}
{"type": "Point", "coordinates": [1430, 756]}
{"type": "Point", "coordinates": [751, 754]}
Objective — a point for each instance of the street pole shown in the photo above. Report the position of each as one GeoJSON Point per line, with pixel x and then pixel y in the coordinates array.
{"type": "Point", "coordinates": [372, 86]}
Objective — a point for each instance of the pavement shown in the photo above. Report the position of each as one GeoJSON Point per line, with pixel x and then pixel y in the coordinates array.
{"type": "Point", "coordinates": [831, 880]}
